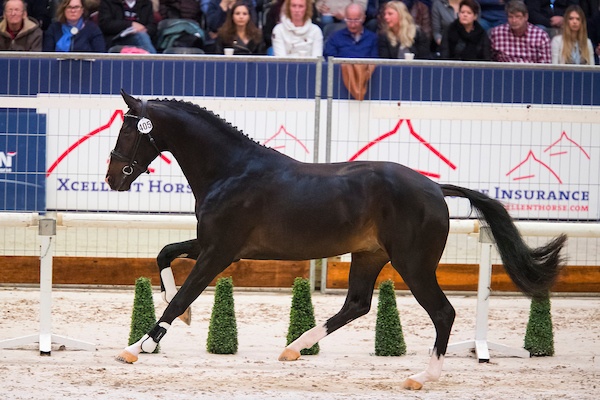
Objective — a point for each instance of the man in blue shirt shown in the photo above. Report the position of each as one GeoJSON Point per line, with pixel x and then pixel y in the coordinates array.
{"type": "Point", "coordinates": [353, 41]}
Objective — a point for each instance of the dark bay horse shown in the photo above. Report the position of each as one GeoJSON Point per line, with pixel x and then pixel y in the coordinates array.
{"type": "Point", "coordinates": [256, 203]}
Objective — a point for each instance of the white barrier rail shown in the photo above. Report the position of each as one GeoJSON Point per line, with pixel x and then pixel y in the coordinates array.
{"type": "Point", "coordinates": [188, 222]}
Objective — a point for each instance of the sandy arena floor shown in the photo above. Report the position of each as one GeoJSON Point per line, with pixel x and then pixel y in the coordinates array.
{"type": "Point", "coordinates": [345, 368]}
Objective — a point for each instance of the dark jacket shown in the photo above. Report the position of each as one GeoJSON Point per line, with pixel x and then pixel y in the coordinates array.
{"type": "Point", "coordinates": [239, 48]}
{"type": "Point", "coordinates": [458, 44]}
{"type": "Point", "coordinates": [88, 40]}
{"type": "Point", "coordinates": [112, 19]}
{"type": "Point", "coordinates": [420, 47]}
{"type": "Point", "coordinates": [186, 9]}
{"type": "Point", "coordinates": [41, 10]}
{"type": "Point", "coordinates": [540, 11]}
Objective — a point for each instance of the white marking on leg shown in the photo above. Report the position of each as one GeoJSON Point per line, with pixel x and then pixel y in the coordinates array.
{"type": "Point", "coordinates": [308, 338]}
{"type": "Point", "coordinates": [147, 344]}
{"type": "Point", "coordinates": [168, 281]}
{"type": "Point", "coordinates": [433, 371]}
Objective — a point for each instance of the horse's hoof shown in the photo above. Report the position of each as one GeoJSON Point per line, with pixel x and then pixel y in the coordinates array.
{"type": "Point", "coordinates": [411, 384]}
{"type": "Point", "coordinates": [187, 316]}
{"type": "Point", "coordinates": [289, 355]}
{"type": "Point", "coordinates": [126, 357]}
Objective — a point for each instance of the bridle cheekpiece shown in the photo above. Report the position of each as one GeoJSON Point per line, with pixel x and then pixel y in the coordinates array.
{"type": "Point", "coordinates": [144, 127]}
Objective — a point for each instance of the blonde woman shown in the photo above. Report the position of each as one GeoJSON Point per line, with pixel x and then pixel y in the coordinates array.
{"type": "Point", "coordinates": [296, 35]}
{"type": "Point", "coordinates": [572, 46]}
{"type": "Point", "coordinates": [399, 34]}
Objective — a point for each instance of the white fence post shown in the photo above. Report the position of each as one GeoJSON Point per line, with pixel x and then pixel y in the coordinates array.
{"type": "Point", "coordinates": [480, 344]}
{"type": "Point", "coordinates": [45, 338]}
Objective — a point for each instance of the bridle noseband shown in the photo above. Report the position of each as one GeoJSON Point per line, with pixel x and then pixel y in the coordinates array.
{"type": "Point", "coordinates": [144, 126]}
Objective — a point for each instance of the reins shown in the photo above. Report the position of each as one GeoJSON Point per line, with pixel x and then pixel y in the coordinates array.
{"type": "Point", "coordinates": [144, 126]}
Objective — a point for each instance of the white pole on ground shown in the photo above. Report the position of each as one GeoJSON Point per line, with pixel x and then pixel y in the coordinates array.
{"type": "Point", "coordinates": [480, 344]}
{"type": "Point", "coordinates": [45, 338]}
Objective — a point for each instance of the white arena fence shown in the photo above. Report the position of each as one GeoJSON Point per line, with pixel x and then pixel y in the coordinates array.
{"type": "Point", "coordinates": [528, 135]}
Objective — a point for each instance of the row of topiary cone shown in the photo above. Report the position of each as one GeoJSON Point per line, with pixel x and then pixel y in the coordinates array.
{"type": "Point", "coordinates": [389, 339]}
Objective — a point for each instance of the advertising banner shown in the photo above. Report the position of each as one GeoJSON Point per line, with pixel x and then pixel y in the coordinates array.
{"type": "Point", "coordinates": [22, 160]}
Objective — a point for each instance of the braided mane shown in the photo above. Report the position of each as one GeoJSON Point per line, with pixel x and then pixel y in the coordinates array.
{"type": "Point", "coordinates": [193, 108]}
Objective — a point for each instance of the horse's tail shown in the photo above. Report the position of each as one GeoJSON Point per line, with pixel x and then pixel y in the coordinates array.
{"type": "Point", "coordinates": [533, 271]}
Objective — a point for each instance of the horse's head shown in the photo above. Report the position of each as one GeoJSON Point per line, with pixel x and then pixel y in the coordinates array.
{"type": "Point", "coordinates": [135, 148]}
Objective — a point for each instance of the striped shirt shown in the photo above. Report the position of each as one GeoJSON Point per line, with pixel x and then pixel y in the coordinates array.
{"type": "Point", "coordinates": [532, 47]}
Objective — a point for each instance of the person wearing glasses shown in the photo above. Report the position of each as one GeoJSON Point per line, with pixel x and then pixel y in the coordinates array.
{"type": "Point", "coordinates": [72, 31]}
{"type": "Point", "coordinates": [354, 41]}
{"type": "Point", "coordinates": [18, 32]}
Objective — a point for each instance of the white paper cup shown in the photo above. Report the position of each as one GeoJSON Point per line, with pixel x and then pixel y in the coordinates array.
{"type": "Point", "coordinates": [228, 51]}
{"type": "Point", "coordinates": [409, 56]}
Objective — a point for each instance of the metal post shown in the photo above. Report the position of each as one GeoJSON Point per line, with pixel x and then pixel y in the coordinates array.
{"type": "Point", "coordinates": [323, 275]}
{"type": "Point", "coordinates": [480, 343]}
{"type": "Point", "coordinates": [45, 338]}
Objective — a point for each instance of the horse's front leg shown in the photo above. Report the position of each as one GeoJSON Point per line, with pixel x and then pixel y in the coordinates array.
{"type": "Point", "coordinates": [188, 249]}
{"type": "Point", "coordinates": [205, 270]}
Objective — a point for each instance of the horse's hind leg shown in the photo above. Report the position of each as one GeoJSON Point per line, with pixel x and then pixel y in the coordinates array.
{"type": "Point", "coordinates": [418, 272]}
{"type": "Point", "coordinates": [364, 269]}
{"type": "Point", "coordinates": [188, 249]}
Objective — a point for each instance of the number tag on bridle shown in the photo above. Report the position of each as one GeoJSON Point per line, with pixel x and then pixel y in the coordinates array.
{"type": "Point", "coordinates": [144, 125]}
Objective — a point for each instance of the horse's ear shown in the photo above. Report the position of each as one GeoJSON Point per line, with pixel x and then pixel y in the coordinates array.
{"type": "Point", "coordinates": [129, 100]}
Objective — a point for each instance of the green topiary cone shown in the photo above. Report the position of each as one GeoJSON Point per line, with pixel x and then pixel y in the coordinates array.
{"type": "Point", "coordinates": [302, 315]}
{"type": "Point", "coordinates": [222, 331]}
{"type": "Point", "coordinates": [539, 337]}
{"type": "Point", "coordinates": [389, 340]}
{"type": "Point", "coordinates": [143, 316]}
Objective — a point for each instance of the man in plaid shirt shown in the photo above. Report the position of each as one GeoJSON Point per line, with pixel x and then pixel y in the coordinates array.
{"type": "Point", "coordinates": [518, 40]}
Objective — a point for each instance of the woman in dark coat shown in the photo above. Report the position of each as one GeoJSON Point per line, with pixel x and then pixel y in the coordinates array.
{"type": "Point", "coordinates": [72, 31]}
{"type": "Point", "coordinates": [240, 33]}
{"type": "Point", "coordinates": [465, 39]}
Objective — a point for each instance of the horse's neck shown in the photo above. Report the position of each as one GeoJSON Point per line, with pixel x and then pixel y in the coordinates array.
{"type": "Point", "coordinates": [206, 153]}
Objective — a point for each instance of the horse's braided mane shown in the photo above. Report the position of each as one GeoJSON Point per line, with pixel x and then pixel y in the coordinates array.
{"type": "Point", "coordinates": [195, 109]}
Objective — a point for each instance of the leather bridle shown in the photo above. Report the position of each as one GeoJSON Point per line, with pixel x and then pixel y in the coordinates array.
{"type": "Point", "coordinates": [132, 163]}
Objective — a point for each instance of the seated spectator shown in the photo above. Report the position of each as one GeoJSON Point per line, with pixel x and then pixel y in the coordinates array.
{"type": "Point", "coordinates": [594, 34]}
{"type": "Point", "coordinates": [271, 19]}
{"type": "Point", "coordinates": [240, 33]}
{"type": "Point", "coordinates": [332, 14]}
{"type": "Point", "coordinates": [548, 13]}
{"type": "Point", "coordinates": [421, 16]}
{"type": "Point", "coordinates": [42, 11]}
{"type": "Point", "coordinates": [493, 13]}
{"type": "Point", "coordinates": [399, 35]}
{"type": "Point", "coordinates": [18, 32]}
{"type": "Point", "coordinates": [464, 38]}
{"type": "Point", "coordinates": [572, 46]}
{"type": "Point", "coordinates": [72, 31]}
{"type": "Point", "coordinates": [354, 41]}
{"type": "Point", "coordinates": [443, 13]}
{"type": "Point", "coordinates": [296, 35]}
{"type": "Point", "coordinates": [518, 40]}
{"type": "Point", "coordinates": [216, 15]}
{"type": "Point", "coordinates": [589, 7]}
{"type": "Point", "coordinates": [128, 23]}
{"type": "Point", "coordinates": [177, 9]}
